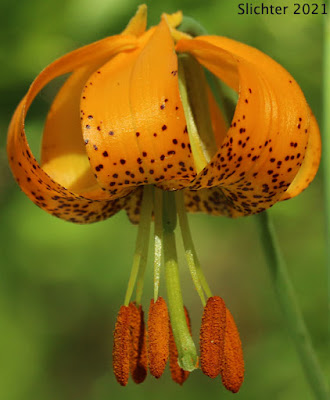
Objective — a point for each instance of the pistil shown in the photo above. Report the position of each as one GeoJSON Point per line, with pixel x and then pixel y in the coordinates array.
{"type": "Point", "coordinates": [187, 355]}
{"type": "Point", "coordinates": [178, 374]}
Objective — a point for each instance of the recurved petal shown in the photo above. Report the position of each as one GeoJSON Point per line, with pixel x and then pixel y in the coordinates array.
{"type": "Point", "coordinates": [133, 119]}
{"type": "Point", "coordinates": [310, 164]}
{"type": "Point", "coordinates": [133, 205]}
{"type": "Point", "coordinates": [210, 201]}
{"type": "Point", "coordinates": [43, 190]}
{"type": "Point", "coordinates": [63, 153]}
{"type": "Point", "coordinates": [218, 121]}
{"type": "Point", "coordinates": [64, 156]}
{"type": "Point", "coordinates": [34, 181]}
{"type": "Point", "coordinates": [266, 143]}
{"type": "Point", "coordinates": [84, 56]}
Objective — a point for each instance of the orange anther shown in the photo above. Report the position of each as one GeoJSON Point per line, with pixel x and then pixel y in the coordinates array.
{"type": "Point", "coordinates": [122, 346]}
{"type": "Point", "coordinates": [212, 336]}
{"type": "Point", "coordinates": [233, 363]}
{"type": "Point", "coordinates": [138, 354]}
{"type": "Point", "coordinates": [158, 337]}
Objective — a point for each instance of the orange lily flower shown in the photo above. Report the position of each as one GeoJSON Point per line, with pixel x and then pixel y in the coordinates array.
{"type": "Point", "coordinates": [137, 113]}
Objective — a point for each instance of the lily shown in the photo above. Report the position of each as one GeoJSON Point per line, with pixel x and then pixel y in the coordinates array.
{"type": "Point", "coordinates": [137, 127]}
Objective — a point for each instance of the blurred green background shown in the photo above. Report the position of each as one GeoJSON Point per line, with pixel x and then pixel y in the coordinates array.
{"type": "Point", "coordinates": [61, 285]}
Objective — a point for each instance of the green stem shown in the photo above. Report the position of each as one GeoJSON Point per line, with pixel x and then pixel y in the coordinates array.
{"type": "Point", "coordinates": [187, 355]}
{"type": "Point", "coordinates": [141, 247]}
{"type": "Point", "coordinates": [326, 139]}
{"type": "Point", "coordinates": [192, 27]}
{"type": "Point", "coordinates": [191, 255]}
{"type": "Point", "coordinates": [290, 308]}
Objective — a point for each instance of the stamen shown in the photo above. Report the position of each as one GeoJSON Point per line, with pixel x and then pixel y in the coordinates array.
{"type": "Point", "coordinates": [212, 336]}
{"type": "Point", "coordinates": [158, 239]}
{"type": "Point", "coordinates": [233, 363]}
{"type": "Point", "coordinates": [141, 248]}
{"type": "Point", "coordinates": [187, 356]}
{"type": "Point", "coordinates": [158, 337]}
{"type": "Point", "coordinates": [178, 374]}
{"type": "Point", "coordinates": [193, 93]}
{"type": "Point", "coordinates": [122, 346]}
{"type": "Point", "coordinates": [191, 255]}
{"type": "Point", "coordinates": [138, 355]}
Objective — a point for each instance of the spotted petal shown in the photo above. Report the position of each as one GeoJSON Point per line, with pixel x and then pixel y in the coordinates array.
{"type": "Point", "coordinates": [265, 146]}
{"type": "Point", "coordinates": [34, 181]}
{"type": "Point", "coordinates": [310, 164]}
{"type": "Point", "coordinates": [133, 120]}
